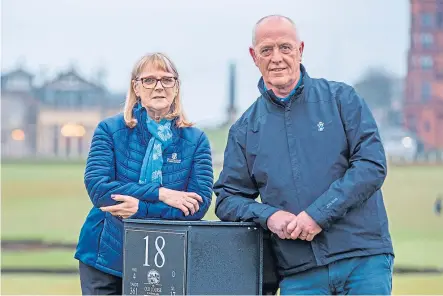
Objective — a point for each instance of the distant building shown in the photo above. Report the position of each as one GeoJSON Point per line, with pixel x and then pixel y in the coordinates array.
{"type": "Point", "coordinates": [397, 102]}
{"type": "Point", "coordinates": [19, 107]}
{"type": "Point", "coordinates": [55, 119]}
{"type": "Point", "coordinates": [423, 105]}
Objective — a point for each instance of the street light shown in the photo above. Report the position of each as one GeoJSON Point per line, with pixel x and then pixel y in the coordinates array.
{"type": "Point", "coordinates": [18, 135]}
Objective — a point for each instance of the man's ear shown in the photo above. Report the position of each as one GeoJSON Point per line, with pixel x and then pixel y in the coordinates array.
{"type": "Point", "coordinates": [301, 48]}
{"type": "Point", "coordinates": [253, 55]}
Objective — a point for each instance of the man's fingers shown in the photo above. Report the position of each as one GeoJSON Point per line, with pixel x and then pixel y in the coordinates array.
{"type": "Point", "coordinates": [281, 234]}
{"type": "Point", "coordinates": [286, 233]}
{"type": "Point", "coordinates": [303, 235]}
{"type": "Point", "coordinates": [292, 225]}
{"type": "Point", "coordinates": [296, 232]}
{"type": "Point", "coordinates": [195, 196]}
{"type": "Point", "coordinates": [310, 237]}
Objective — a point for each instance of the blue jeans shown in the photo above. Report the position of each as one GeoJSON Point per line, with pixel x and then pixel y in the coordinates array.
{"type": "Point", "coordinates": [367, 275]}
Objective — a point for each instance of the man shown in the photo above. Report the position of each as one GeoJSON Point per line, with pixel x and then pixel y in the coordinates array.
{"type": "Point", "coordinates": [311, 150]}
{"type": "Point", "coordinates": [438, 205]}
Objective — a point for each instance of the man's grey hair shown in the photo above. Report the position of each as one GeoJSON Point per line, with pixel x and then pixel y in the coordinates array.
{"type": "Point", "coordinates": [276, 16]}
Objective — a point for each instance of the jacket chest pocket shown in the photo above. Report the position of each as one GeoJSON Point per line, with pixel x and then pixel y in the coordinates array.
{"type": "Point", "coordinates": [320, 134]}
{"type": "Point", "coordinates": [176, 168]}
{"type": "Point", "coordinates": [323, 141]}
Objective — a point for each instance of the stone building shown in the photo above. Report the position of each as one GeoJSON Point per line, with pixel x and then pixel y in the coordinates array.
{"type": "Point", "coordinates": [54, 119]}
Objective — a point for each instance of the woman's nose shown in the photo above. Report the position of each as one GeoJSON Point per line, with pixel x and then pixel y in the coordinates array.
{"type": "Point", "coordinates": [158, 85]}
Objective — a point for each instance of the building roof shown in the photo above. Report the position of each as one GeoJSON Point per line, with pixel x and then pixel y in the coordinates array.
{"type": "Point", "coordinates": [71, 80]}
{"type": "Point", "coordinates": [19, 72]}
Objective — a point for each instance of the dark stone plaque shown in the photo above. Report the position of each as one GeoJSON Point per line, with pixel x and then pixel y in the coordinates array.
{"type": "Point", "coordinates": [156, 264]}
{"type": "Point", "coordinates": [196, 258]}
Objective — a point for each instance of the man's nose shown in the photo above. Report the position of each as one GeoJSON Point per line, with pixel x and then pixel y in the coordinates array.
{"type": "Point", "coordinates": [276, 56]}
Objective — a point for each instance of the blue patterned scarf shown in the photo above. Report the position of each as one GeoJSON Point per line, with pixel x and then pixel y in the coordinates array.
{"type": "Point", "coordinates": [151, 170]}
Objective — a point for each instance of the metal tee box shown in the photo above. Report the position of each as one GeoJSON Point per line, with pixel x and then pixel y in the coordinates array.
{"type": "Point", "coordinates": [163, 257]}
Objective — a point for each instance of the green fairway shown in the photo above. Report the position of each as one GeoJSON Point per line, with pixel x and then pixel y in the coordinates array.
{"type": "Point", "coordinates": [48, 201]}
{"type": "Point", "coordinates": [70, 285]}
{"type": "Point", "coordinates": [61, 259]}
{"type": "Point", "coordinates": [417, 233]}
{"type": "Point", "coordinates": [40, 285]}
{"type": "Point", "coordinates": [43, 201]}
{"type": "Point", "coordinates": [218, 138]}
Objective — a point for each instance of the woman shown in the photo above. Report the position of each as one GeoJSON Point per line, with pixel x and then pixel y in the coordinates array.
{"type": "Point", "coordinates": [148, 162]}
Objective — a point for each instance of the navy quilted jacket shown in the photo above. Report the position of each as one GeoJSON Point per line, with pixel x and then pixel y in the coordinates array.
{"type": "Point", "coordinates": [113, 167]}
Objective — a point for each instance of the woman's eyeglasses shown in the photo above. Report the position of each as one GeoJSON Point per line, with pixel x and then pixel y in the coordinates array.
{"type": "Point", "coordinates": [151, 82]}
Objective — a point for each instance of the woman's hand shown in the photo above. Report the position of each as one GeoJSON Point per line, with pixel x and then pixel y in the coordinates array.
{"type": "Point", "coordinates": [187, 202]}
{"type": "Point", "coordinates": [126, 209]}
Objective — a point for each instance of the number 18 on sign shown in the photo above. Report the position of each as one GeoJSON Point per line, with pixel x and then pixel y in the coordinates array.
{"type": "Point", "coordinates": [162, 268]}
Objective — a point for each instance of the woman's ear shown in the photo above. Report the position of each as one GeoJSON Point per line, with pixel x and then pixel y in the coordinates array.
{"type": "Point", "coordinates": [176, 90]}
{"type": "Point", "coordinates": [134, 87]}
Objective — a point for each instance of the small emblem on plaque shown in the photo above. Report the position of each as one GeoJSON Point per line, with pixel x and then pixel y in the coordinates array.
{"type": "Point", "coordinates": [153, 277]}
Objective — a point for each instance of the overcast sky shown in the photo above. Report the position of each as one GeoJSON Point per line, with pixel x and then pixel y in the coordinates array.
{"type": "Point", "coordinates": [342, 39]}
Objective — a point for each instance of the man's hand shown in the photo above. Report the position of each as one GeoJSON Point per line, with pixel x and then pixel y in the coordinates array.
{"type": "Point", "coordinates": [126, 209]}
{"type": "Point", "coordinates": [303, 227]}
{"type": "Point", "coordinates": [278, 222]}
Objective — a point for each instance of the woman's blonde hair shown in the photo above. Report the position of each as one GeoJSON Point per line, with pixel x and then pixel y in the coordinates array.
{"type": "Point", "coordinates": [158, 61]}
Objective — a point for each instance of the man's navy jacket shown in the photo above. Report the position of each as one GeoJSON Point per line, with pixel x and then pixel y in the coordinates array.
{"type": "Point", "coordinates": [319, 152]}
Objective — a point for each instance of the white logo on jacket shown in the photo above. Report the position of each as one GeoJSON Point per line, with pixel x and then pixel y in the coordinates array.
{"type": "Point", "coordinates": [173, 158]}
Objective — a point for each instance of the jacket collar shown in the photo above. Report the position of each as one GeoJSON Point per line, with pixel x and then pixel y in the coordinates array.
{"type": "Point", "coordinates": [140, 113]}
{"type": "Point", "coordinates": [297, 96]}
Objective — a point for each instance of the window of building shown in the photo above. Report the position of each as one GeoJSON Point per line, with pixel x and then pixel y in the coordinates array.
{"type": "Point", "coordinates": [426, 40]}
{"type": "Point", "coordinates": [426, 90]}
{"type": "Point", "coordinates": [426, 20]}
{"type": "Point", "coordinates": [80, 145]}
{"type": "Point", "coordinates": [55, 99]}
{"type": "Point", "coordinates": [439, 19]}
{"type": "Point", "coordinates": [5, 135]}
{"type": "Point", "coordinates": [426, 62]}
{"type": "Point", "coordinates": [18, 83]}
{"type": "Point", "coordinates": [49, 96]}
{"type": "Point", "coordinates": [412, 123]}
{"type": "Point", "coordinates": [68, 100]}
{"type": "Point", "coordinates": [56, 133]}
{"type": "Point", "coordinates": [427, 126]}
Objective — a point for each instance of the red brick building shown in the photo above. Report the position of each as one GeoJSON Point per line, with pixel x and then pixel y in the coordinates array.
{"type": "Point", "coordinates": [423, 107]}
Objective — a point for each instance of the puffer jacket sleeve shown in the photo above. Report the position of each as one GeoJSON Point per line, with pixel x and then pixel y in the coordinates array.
{"type": "Point", "coordinates": [99, 177]}
{"type": "Point", "coordinates": [367, 163]}
{"type": "Point", "coordinates": [236, 191]}
{"type": "Point", "coordinates": [200, 182]}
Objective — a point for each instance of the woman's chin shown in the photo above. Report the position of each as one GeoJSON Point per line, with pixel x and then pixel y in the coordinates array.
{"type": "Point", "coordinates": [159, 107]}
